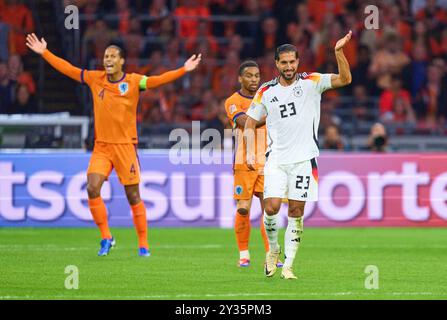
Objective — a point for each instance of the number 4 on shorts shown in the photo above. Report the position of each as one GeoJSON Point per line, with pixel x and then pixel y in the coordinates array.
{"type": "Point", "coordinates": [132, 169]}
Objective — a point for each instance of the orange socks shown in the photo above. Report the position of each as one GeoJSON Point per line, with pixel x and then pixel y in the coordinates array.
{"type": "Point", "coordinates": [140, 222]}
{"type": "Point", "coordinates": [242, 230]}
{"type": "Point", "coordinates": [264, 235]}
{"type": "Point", "coordinates": [99, 213]}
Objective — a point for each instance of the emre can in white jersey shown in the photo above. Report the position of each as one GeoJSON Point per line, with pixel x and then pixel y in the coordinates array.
{"type": "Point", "coordinates": [291, 105]}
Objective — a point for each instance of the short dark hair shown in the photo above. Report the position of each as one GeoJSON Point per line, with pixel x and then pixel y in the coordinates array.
{"type": "Point", "coordinates": [285, 48]}
{"type": "Point", "coordinates": [247, 64]}
{"type": "Point", "coordinates": [121, 51]}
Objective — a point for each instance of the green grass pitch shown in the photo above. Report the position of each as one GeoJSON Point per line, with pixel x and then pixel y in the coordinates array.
{"type": "Point", "coordinates": [201, 264]}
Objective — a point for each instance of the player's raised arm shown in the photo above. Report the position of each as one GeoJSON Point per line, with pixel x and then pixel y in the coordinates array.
{"type": "Point", "coordinates": [190, 65]}
{"type": "Point", "coordinates": [40, 47]}
{"type": "Point", "coordinates": [343, 78]}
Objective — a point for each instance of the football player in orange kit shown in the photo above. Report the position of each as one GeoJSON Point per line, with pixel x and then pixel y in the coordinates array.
{"type": "Point", "coordinates": [115, 98]}
{"type": "Point", "coordinates": [246, 183]}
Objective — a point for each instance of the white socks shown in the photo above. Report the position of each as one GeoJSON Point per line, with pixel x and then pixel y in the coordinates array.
{"type": "Point", "coordinates": [271, 228]}
{"type": "Point", "coordinates": [244, 254]}
{"type": "Point", "coordinates": [292, 239]}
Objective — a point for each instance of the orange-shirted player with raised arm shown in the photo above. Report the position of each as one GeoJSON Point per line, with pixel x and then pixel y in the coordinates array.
{"type": "Point", "coordinates": [115, 98]}
{"type": "Point", "coordinates": [246, 183]}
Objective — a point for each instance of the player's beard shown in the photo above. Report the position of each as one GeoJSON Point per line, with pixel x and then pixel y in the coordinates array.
{"type": "Point", "coordinates": [283, 74]}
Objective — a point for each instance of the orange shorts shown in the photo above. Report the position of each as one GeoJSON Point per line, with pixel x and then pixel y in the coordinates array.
{"type": "Point", "coordinates": [122, 157]}
{"type": "Point", "coordinates": [247, 183]}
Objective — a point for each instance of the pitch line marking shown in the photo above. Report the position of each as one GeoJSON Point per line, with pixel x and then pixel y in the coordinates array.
{"type": "Point", "coordinates": [258, 294]}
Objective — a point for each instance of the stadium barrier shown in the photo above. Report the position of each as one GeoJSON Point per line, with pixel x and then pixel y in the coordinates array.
{"type": "Point", "coordinates": [355, 189]}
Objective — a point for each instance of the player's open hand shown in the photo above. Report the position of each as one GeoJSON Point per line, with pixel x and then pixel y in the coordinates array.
{"type": "Point", "coordinates": [193, 62]}
{"type": "Point", "coordinates": [343, 41]}
{"type": "Point", "coordinates": [38, 46]}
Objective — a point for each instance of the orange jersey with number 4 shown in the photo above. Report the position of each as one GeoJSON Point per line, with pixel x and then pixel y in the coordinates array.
{"type": "Point", "coordinates": [114, 102]}
{"type": "Point", "coordinates": [114, 106]}
{"type": "Point", "coordinates": [235, 106]}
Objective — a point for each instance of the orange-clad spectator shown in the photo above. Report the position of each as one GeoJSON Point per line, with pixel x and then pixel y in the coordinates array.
{"type": "Point", "coordinates": [203, 35]}
{"type": "Point", "coordinates": [26, 79]}
{"type": "Point", "coordinates": [188, 15]}
{"type": "Point", "coordinates": [432, 13]}
{"type": "Point", "coordinates": [20, 20]}
{"type": "Point", "coordinates": [319, 8]}
{"type": "Point", "coordinates": [16, 73]}
{"type": "Point", "coordinates": [124, 15]}
{"type": "Point", "coordinates": [395, 103]}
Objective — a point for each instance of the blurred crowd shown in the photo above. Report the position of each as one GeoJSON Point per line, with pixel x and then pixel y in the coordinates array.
{"type": "Point", "coordinates": [17, 86]}
{"type": "Point", "coordinates": [399, 70]}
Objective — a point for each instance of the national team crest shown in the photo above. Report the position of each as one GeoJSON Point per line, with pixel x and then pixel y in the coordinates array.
{"type": "Point", "coordinates": [297, 91]}
{"type": "Point", "coordinates": [123, 87]}
{"type": "Point", "coordinates": [238, 190]}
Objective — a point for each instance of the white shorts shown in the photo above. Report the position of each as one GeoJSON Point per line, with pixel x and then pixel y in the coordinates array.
{"type": "Point", "coordinates": [296, 181]}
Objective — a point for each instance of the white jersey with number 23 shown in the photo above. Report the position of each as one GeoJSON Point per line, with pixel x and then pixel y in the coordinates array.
{"type": "Point", "coordinates": [293, 116]}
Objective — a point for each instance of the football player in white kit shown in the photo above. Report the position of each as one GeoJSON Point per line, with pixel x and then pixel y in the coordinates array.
{"type": "Point", "coordinates": [291, 103]}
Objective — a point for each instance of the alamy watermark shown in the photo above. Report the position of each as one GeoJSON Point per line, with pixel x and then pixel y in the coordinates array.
{"type": "Point", "coordinates": [372, 278]}
{"type": "Point", "coordinates": [372, 20]}
{"type": "Point", "coordinates": [72, 279]}
{"type": "Point", "coordinates": [72, 20]}
{"type": "Point", "coordinates": [209, 147]}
